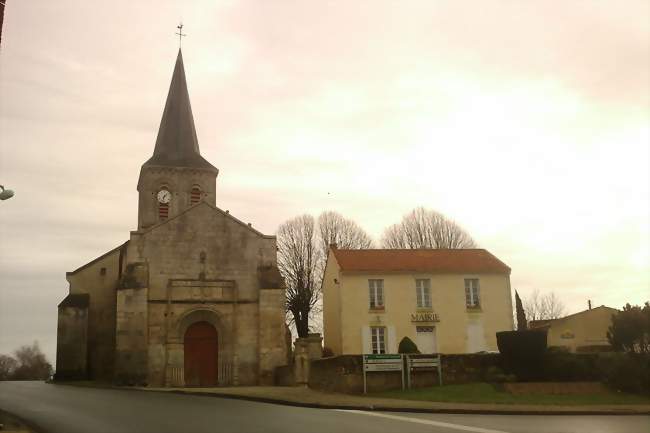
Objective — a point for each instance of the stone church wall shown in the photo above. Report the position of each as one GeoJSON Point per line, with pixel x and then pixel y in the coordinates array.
{"type": "Point", "coordinates": [99, 279]}
{"type": "Point", "coordinates": [247, 348]}
{"type": "Point", "coordinates": [204, 259]}
{"type": "Point", "coordinates": [272, 351]}
{"type": "Point", "coordinates": [179, 181]}
{"type": "Point", "coordinates": [72, 346]}
{"type": "Point", "coordinates": [203, 243]}
{"type": "Point", "coordinates": [131, 327]}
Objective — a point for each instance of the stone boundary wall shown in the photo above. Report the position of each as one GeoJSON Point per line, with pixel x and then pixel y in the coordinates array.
{"type": "Point", "coordinates": [344, 373]}
{"type": "Point", "coordinates": [284, 376]}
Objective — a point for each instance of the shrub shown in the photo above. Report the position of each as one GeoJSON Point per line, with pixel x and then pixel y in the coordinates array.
{"type": "Point", "coordinates": [560, 365]}
{"type": "Point", "coordinates": [494, 374]}
{"type": "Point", "coordinates": [594, 348]}
{"type": "Point", "coordinates": [628, 372]}
{"type": "Point", "coordinates": [523, 353]}
{"type": "Point", "coordinates": [630, 329]}
{"type": "Point", "coordinates": [407, 346]}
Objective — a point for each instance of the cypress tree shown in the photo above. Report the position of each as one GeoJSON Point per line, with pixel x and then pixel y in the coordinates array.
{"type": "Point", "coordinates": [522, 324]}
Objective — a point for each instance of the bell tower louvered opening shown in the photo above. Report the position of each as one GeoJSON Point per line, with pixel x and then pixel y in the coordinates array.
{"type": "Point", "coordinates": [195, 195]}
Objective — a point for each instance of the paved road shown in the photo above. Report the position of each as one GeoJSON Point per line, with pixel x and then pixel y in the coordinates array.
{"type": "Point", "coordinates": [68, 409]}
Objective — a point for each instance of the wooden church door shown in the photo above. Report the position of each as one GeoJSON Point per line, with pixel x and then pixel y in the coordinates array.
{"type": "Point", "coordinates": [201, 355]}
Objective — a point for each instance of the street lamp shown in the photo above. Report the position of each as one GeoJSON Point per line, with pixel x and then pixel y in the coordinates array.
{"type": "Point", "coordinates": [5, 193]}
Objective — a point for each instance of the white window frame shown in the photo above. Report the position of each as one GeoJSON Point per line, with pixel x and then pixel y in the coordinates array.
{"type": "Point", "coordinates": [423, 292]}
{"type": "Point", "coordinates": [378, 339]}
{"type": "Point", "coordinates": [376, 294]}
{"type": "Point", "coordinates": [472, 293]}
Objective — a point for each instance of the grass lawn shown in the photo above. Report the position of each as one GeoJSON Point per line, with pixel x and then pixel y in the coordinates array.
{"type": "Point", "coordinates": [487, 393]}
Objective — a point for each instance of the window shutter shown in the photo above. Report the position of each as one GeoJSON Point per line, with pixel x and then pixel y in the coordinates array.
{"type": "Point", "coordinates": [365, 340]}
{"type": "Point", "coordinates": [391, 343]}
{"type": "Point", "coordinates": [380, 293]}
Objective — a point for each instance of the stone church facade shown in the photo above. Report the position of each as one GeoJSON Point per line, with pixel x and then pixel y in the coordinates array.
{"type": "Point", "coordinates": [193, 298]}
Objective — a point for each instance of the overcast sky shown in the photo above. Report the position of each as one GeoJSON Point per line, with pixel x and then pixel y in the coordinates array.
{"type": "Point", "coordinates": [526, 122]}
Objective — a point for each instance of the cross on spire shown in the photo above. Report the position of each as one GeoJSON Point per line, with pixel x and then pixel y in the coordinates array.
{"type": "Point", "coordinates": [180, 33]}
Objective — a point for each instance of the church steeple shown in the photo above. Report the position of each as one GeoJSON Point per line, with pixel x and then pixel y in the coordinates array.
{"type": "Point", "coordinates": [176, 177]}
{"type": "Point", "coordinates": [176, 144]}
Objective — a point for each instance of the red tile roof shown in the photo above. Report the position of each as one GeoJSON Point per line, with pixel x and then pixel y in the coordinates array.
{"type": "Point", "coordinates": [424, 260]}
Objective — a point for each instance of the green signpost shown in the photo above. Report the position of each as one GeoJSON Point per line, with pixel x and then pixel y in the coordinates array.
{"type": "Point", "coordinates": [423, 362]}
{"type": "Point", "coordinates": [382, 362]}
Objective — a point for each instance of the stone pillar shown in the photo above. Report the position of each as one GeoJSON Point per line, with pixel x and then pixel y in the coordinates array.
{"type": "Point", "coordinates": [131, 342]}
{"type": "Point", "coordinates": [315, 346]}
{"type": "Point", "coordinates": [272, 349]}
{"type": "Point", "coordinates": [301, 362]}
{"type": "Point", "coordinates": [306, 350]}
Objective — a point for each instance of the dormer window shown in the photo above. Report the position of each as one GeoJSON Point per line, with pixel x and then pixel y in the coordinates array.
{"type": "Point", "coordinates": [195, 195]}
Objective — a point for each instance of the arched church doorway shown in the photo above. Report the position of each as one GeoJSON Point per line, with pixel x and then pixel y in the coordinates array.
{"type": "Point", "coordinates": [201, 355]}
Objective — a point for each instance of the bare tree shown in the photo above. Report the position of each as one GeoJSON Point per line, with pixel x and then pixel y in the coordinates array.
{"type": "Point", "coordinates": [543, 307]}
{"type": "Point", "coordinates": [7, 367]}
{"type": "Point", "coordinates": [345, 233]}
{"type": "Point", "coordinates": [424, 228]}
{"type": "Point", "coordinates": [299, 262]}
{"type": "Point", "coordinates": [302, 253]}
{"type": "Point", "coordinates": [31, 364]}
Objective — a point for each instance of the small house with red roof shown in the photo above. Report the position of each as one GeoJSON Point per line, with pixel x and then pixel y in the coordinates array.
{"type": "Point", "coordinates": [445, 300]}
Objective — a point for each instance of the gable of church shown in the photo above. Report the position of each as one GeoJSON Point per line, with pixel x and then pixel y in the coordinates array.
{"type": "Point", "coordinates": [204, 242]}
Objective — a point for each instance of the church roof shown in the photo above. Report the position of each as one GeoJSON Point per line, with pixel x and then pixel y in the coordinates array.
{"type": "Point", "coordinates": [176, 144]}
{"type": "Point", "coordinates": [92, 262]}
{"type": "Point", "coordinates": [200, 204]}
{"type": "Point", "coordinates": [78, 300]}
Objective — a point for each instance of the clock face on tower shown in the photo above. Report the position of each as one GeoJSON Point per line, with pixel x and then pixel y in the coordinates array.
{"type": "Point", "coordinates": [164, 196]}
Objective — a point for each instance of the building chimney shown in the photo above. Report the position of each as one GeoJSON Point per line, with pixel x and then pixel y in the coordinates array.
{"type": "Point", "coordinates": [589, 303]}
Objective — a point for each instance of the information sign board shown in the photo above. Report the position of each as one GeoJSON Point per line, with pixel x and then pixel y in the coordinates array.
{"type": "Point", "coordinates": [382, 362]}
{"type": "Point", "coordinates": [422, 363]}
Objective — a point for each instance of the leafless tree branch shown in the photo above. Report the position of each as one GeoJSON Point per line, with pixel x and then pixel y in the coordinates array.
{"type": "Point", "coordinates": [299, 261]}
{"type": "Point", "coordinates": [345, 233]}
{"type": "Point", "coordinates": [543, 307]}
{"type": "Point", "coordinates": [302, 252]}
{"type": "Point", "coordinates": [424, 228]}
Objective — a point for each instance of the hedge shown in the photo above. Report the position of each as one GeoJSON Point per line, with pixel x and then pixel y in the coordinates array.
{"type": "Point", "coordinates": [523, 353]}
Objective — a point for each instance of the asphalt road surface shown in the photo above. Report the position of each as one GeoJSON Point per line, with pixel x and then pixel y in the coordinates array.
{"type": "Point", "coordinates": [68, 409]}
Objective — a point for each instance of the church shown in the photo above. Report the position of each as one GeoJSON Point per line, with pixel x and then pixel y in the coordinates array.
{"type": "Point", "coordinates": [193, 297]}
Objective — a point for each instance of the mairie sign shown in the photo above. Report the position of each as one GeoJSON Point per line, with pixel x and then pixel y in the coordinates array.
{"type": "Point", "coordinates": [424, 317]}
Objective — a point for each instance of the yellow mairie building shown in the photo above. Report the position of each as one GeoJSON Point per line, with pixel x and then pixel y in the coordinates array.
{"type": "Point", "coordinates": [445, 300]}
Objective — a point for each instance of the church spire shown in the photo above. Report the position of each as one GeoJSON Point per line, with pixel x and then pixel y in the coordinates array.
{"type": "Point", "coordinates": [177, 145]}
